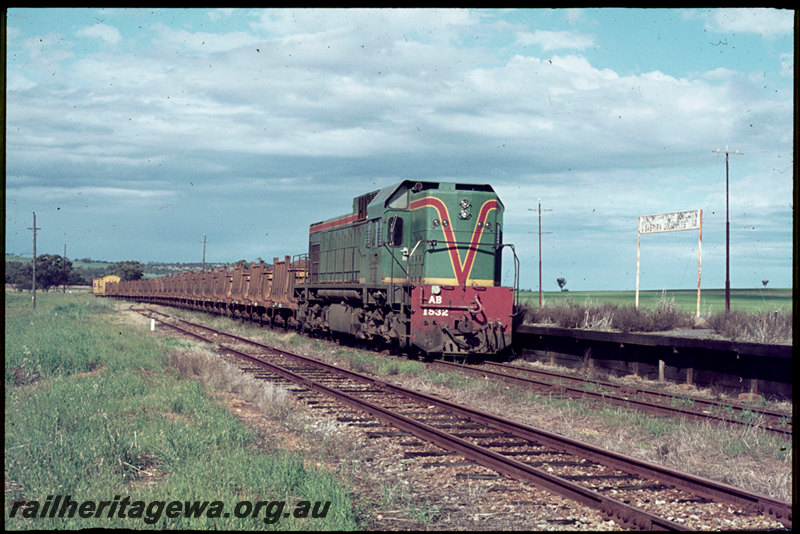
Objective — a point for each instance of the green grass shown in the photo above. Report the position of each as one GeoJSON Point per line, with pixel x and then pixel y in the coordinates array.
{"type": "Point", "coordinates": [132, 428]}
{"type": "Point", "coordinates": [711, 300]}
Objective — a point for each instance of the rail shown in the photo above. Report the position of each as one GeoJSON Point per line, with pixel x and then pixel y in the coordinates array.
{"type": "Point", "coordinates": [504, 462]}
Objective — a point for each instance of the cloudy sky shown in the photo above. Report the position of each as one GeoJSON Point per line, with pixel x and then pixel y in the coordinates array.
{"type": "Point", "coordinates": [133, 132]}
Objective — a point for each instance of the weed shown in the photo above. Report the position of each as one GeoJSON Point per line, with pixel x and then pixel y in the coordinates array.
{"type": "Point", "coordinates": [360, 365]}
{"type": "Point", "coordinates": [666, 316]}
{"type": "Point", "coordinates": [682, 402]}
{"type": "Point", "coordinates": [629, 319]}
{"type": "Point", "coordinates": [762, 327]}
{"type": "Point", "coordinates": [137, 428]}
{"type": "Point", "coordinates": [425, 513]}
{"type": "Point", "coordinates": [663, 314]}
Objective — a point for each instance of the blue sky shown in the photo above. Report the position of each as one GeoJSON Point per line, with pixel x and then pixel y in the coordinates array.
{"type": "Point", "coordinates": [133, 132]}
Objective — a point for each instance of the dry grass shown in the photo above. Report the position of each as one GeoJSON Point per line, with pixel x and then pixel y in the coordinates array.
{"type": "Point", "coordinates": [665, 316]}
{"type": "Point", "coordinates": [274, 401]}
{"type": "Point", "coordinates": [741, 456]}
{"type": "Point", "coordinates": [221, 375]}
{"type": "Point", "coordinates": [763, 327]}
{"type": "Point", "coordinates": [760, 327]}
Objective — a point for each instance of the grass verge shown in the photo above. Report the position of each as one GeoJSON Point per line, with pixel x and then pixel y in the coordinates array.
{"type": "Point", "coordinates": [94, 411]}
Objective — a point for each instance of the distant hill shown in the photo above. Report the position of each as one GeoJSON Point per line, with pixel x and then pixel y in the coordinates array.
{"type": "Point", "coordinates": [83, 263]}
{"type": "Point", "coordinates": [150, 268]}
{"type": "Point", "coordinates": [163, 269]}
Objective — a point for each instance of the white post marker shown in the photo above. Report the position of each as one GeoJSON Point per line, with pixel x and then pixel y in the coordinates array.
{"type": "Point", "coordinates": [152, 326]}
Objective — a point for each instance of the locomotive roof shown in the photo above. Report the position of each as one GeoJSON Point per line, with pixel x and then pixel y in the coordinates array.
{"type": "Point", "coordinates": [383, 195]}
{"type": "Point", "coordinates": [378, 199]}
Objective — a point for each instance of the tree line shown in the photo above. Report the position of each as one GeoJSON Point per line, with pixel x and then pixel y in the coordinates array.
{"type": "Point", "coordinates": [53, 271]}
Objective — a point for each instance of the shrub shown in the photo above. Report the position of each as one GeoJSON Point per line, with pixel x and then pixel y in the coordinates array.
{"type": "Point", "coordinates": [763, 327]}
{"type": "Point", "coordinates": [629, 319]}
{"type": "Point", "coordinates": [569, 316]}
{"type": "Point", "coordinates": [600, 317]}
{"type": "Point", "coordinates": [667, 317]}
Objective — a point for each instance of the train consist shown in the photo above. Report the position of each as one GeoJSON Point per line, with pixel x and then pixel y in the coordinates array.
{"type": "Point", "coordinates": [417, 265]}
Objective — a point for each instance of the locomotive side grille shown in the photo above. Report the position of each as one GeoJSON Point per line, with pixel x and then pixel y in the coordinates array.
{"type": "Point", "coordinates": [314, 262]}
{"type": "Point", "coordinates": [363, 202]}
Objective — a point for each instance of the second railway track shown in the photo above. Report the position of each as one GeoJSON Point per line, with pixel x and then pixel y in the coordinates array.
{"type": "Point", "coordinates": [645, 399]}
{"type": "Point", "coordinates": [633, 492]}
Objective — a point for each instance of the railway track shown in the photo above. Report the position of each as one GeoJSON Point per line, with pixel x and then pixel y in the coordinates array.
{"type": "Point", "coordinates": [632, 492]}
{"type": "Point", "coordinates": [648, 400]}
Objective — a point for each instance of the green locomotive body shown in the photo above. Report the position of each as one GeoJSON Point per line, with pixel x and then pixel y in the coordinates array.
{"type": "Point", "coordinates": [370, 270]}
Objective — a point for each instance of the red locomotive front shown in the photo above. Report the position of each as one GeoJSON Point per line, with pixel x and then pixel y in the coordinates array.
{"type": "Point", "coordinates": [458, 320]}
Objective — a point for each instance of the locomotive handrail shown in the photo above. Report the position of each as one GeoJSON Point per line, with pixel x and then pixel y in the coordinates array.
{"type": "Point", "coordinates": [391, 253]}
{"type": "Point", "coordinates": [516, 275]}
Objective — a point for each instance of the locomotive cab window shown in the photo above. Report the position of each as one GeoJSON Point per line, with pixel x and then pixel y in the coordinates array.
{"type": "Point", "coordinates": [394, 236]}
{"type": "Point", "coordinates": [399, 201]}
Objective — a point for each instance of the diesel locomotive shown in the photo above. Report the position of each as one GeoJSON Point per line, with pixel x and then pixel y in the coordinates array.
{"type": "Point", "coordinates": [416, 265]}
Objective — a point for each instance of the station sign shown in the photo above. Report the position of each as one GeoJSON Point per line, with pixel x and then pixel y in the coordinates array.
{"type": "Point", "coordinates": [669, 222]}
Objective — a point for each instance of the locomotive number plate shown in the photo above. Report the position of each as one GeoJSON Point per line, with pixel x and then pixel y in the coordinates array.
{"type": "Point", "coordinates": [435, 311]}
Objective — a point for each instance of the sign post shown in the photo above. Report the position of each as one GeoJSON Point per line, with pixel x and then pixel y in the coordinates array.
{"type": "Point", "coordinates": [671, 222]}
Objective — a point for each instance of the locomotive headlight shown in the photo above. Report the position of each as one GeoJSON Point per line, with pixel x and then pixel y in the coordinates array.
{"type": "Point", "coordinates": [436, 223]}
{"type": "Point", "coordinates": [464, 215]}
{"type": "Point", "coordinates": [488, 225]}
{"type": "Point", "coordinates": [465, 203]}
{"type": "Point", "coordinates": [435, 290]}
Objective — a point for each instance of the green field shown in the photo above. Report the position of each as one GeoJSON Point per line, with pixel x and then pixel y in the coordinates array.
{"type": "Point", "coordinates": [75, 263]}
{"type": "Point", "coordinates": [711, 300]}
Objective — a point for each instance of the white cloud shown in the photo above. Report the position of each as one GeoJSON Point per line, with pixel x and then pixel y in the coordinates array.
{"type": "Point", "coordinates": [766, 22]}
{"type": "Point", "coordinates": [428, 25]}
{"type": "Point", "coordinates": [556, 40]}
{"type": "Point", "coordinates": [109, 34]}
{"type": "Point", "coordinates": [205, 42]}
{"type": "Point", "coordinates": [787, 65]}
{"type": "Point", "coordinates": [96, 193]}
{"type": "Point", "coordinates": [574, 15]}
{"type": "Point", "coordinates": [18, 82]}
{"type": "Point", "coordinates": [218, 14]}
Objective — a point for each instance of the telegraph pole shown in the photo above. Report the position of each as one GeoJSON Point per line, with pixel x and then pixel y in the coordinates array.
{"type": "Point", "coordinates": [34, 258]}
{"type": "Point", "coordinates": [204, 252]}
{"type": "Point", "coordinates": [540, 210]}
{"type": "Point", "coordinates": [64, 263]}
{"type": "Point", "coordinates": [727, 229]}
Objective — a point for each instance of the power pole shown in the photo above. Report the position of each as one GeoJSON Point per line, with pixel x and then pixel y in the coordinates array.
{"type": "Point", "coordinates": [64, 260]}
{"type": "Point", "coordinates": [727, 229]}
{"type": "Point", "coordinates": [540, 210]}
{"type": "Point", "coordinates": [34, 258]}
{"type": "Point", "coordinates": [204, 252]}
